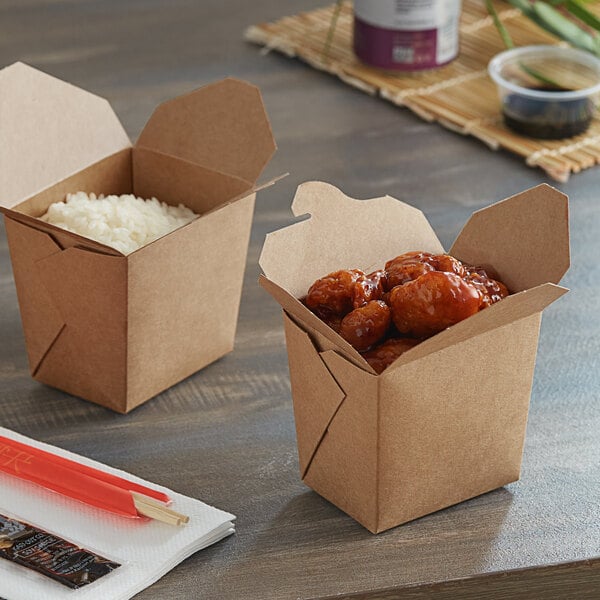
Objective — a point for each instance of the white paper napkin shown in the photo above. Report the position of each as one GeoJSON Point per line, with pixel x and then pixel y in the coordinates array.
{"type": "Point", "coordinates": [146, 549]}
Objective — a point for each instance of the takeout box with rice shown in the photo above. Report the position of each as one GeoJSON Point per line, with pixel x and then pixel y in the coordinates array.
{"type": "Point", "coordinates": [118, 329]}
{"type": "Point", "coordinates": [446, 420]}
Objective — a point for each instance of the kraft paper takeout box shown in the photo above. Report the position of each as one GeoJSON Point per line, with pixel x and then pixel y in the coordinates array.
{"type": "Point", "coordinates": [447, 420]}
{"type": "Point", "coordinates": [117, 329]}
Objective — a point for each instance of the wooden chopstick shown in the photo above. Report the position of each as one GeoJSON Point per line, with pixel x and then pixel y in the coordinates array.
{"type": "Point", "coordinates": [155, 510]}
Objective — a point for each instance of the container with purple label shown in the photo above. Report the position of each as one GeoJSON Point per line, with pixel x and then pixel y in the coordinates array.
{"type": "Point", "coordinates": [406, 35]}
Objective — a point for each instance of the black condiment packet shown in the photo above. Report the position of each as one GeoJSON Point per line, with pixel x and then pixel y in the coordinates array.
{"type": "Point", "coordinates": [50, 555]}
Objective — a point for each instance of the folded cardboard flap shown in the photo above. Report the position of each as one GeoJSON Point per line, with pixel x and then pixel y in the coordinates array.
{"type": "Point", "coordinates": [177, 181]}
{"type": "Point", "coordinates": [300, 313]}
{"type": "Point", "coordinates": [295, 256]}
{"type": "Point", "coordinates": [222, 127]}
{"type": "Point", "coordinates": [344, 468]}
{"type": "Point", "coordinates": [62, 238]}
{"type": "Point", "coordinates": [89, 357]}
{"type": "Point", "coordinates": [336, 425]}
{"type": "Point", "coordinates": [42, 319]}
{"type": "Point", "coordinates": [171, 179]}
{"type": "Point", "coordinates": [513, 308]}
{"type": "Point", "coordinates": [321, 394]}
{"type": "Point", "coordinates": [50, 129]}
{"type": "Point", "coordinates": [369, 233]}
{"type": "Point", "coordinates": [53, 285]}
{"type": "Point", "coordinates": [525, 238]}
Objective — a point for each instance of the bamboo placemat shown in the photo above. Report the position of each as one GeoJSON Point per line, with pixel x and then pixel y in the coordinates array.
{"type": "Point", "coordinates": [460, 96]}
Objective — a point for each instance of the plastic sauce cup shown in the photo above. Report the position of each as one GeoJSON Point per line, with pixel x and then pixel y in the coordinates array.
{"type": "Point", "coordinates": [547, 92]}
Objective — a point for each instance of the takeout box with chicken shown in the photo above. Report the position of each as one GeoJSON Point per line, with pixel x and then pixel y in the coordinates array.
{"type": "Point", "coordinates": [445, 421]}
{"type": "Point", "coordinates": [112, 328]}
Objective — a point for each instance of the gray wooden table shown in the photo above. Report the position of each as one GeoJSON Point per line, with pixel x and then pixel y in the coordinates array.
{"type": "Point", "coordinates": [226, 435]}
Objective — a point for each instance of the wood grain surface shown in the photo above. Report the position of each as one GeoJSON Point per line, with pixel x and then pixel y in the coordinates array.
{"type": "Point", "coordinates": [226, 434]}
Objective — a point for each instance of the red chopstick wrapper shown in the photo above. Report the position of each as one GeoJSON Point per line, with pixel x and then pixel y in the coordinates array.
{"type": "Point", "coordinates": [72, 479]}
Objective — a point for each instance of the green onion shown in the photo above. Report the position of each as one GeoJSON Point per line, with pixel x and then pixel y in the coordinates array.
{"type": "Point", "coordinates": [577, 9]}
{"type": "Point", "coordinates": [510, 44]}
{"type": "Point", "coordinates": [552, 20]}
{"type": "Point", "coordinates": [499, 25]}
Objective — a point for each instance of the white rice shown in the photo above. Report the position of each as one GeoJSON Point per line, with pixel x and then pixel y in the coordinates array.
{"type": "Point", "coordinates": [122, 222]}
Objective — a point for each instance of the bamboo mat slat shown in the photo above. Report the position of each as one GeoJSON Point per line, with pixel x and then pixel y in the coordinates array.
{"type": "Point", "coordinates": [459, 96]}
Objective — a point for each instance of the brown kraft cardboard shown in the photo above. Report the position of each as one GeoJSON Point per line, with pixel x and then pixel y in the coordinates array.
{"type": "Point", "coordinates": [446, 421]}
{"type": "Point", "coordinates": [115, 329]}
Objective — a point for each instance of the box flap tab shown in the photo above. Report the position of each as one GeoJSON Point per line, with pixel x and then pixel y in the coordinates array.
{"type": "Point", "coordinates": [90, 291]}
{"type": "Point", "coordinates": [342, 233]}
{"type": "Point", "coordinates": [50, 129]}
{"type": "Point", "coordinates": [321, 395]}
{"type": "Point", "coordinates": [222, 126]}
{"type": "Point", "coordinates": [525, 238]}
{"type": "Point", "coordinates": [42, 319]}
{"type": "Point", "coordinates": [345, 465]}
